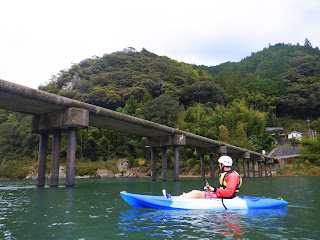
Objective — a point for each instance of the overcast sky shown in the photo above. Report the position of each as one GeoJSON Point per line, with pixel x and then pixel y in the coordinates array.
{"type": "Point", "coordinates": [40, 38]}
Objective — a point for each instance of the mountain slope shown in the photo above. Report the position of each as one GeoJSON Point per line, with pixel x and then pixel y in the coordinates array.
{"type": "Point", "coordinates": [284, 77]}
{"type": "Point", "coordinates": [109, 81]}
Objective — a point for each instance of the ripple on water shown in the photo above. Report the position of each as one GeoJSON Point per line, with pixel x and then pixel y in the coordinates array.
{"type": "Point", "coordinates": [61, 224]}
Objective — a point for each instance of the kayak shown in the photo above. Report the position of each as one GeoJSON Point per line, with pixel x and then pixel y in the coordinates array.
{"type": "Point", "coordinates": [174, 203]}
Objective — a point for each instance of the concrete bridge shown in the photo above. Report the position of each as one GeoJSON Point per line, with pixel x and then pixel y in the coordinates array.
{"type": "Point", "coordinates": [53, 114]}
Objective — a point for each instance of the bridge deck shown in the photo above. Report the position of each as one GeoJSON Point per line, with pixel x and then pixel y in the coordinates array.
{"type": "Point", "coordinates": [17, 98]}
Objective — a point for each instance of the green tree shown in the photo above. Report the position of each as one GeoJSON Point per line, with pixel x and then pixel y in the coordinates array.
{"type": "Point", "coordinates": [204, 91]}
{"type": "Point", "coordinates": [307, 43]}
{"type": "Point", "coordinates": [310, 151]}
{"type": "Point", "coordinates": [224, 133]}
{"type": "Point", "coordinates": [131, 106]}
{"type": "Point", "coordinates": [16, 140]}
{"type": "Point", "coordinates": [163, 109]}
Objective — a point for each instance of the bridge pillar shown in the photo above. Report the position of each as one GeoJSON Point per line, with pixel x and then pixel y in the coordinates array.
{"type": "Point", "coordinates": [42, 159]}
{"type": "Point", "coordinates": [211, 166]}
{"type": "Point", "coordinates": [267, 164]}
{"type": "Point", "coordinates": [259, 168]}
{"type": "Point", "coordinates": [244, 167]}
{"type": "Point", "coordinates": [55, 158]}
{"type": "Point", "coordinates": [203, 174]}
{"type": "Point", "coordinates": [153, 163]}
{"type": "Point", "coordinates": [164, 164]}
{"type": "Point", "coordinates": [248, 168]}
{"type": "Point", "coordinates": [56, 122]}
{"type": "Point", "coordinates": [245, 157]}
{"type": "Point", "coordinates": [174, 140]}
{"type": "Point", "coordinates": [254, 168]}
{"type": "Point", "coordinates": [176, 163]}
{"type": "Point", "coordinates": [265, 169]}
{"type": "Point", "coordinates": [206, 151]}
{"type": "Point", "coordinates": [262, 159]}
{"type": "Point", "coordinates": [71, 156]}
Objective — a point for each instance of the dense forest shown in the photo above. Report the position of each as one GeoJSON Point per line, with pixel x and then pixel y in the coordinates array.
{"type": "Point", "coordinates": [282, 77]}
{"type": "Point", "coordinates": [231, 102]}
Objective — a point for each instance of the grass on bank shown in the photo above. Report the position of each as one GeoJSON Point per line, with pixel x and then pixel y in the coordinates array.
{"type": "Point", "coordinates": [19, 169]}
{"type": "Point", "coordinates": [16, 169]}
{"type": "Point", "coordinates": [304, 168]}
{"type": "Point", "coordinates": [90, 168]}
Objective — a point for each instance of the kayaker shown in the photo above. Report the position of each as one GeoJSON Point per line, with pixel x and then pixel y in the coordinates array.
{"type": "Point", "coordinates": [230, 182]}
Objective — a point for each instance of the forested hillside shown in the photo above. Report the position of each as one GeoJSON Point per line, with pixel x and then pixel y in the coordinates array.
{"type": "Point", "coordinates": [283, 77]}
{"type": "Point", "coordinates": [232, 102]}
{"type": "Point", "coordinates": [111, 80]}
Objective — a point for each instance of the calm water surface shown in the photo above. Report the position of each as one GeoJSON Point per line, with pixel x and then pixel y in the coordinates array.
{"type": "Point", "coordinates": [94, 209]}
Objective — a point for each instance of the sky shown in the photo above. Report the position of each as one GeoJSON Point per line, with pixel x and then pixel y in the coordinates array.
{"type": "Point", "coordinates": [39, 38]}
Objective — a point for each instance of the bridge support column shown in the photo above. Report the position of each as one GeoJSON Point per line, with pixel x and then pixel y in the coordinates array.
{"type": "Point", "coordinates": [71, 156]}
{"type": "Point", "coordinates": [244, 167]}
{"type": "Point", "coordinates": [254, 168]}
{"type": "Point", "coordinates": [270, 168]}
{"type": "Point", "coordinates": [55, 160]}
{"type": "Point", "coordinates": [42, 159]}
{"type": "Point", "coordinates": [175, 140]}
{"type": "Point", "coordinates": [248, 168]}
{"type": "Point", "coordinates": [164, 164]}
{"type": "Point", "coordinates": [245, 159]}
{"type": "Point", "coordinates": [265, 169]}
{"type": "Point", "coordinates": [259, 168]}
{"type": "Point", "coordinates": [203, 174]}
{"type": "Point", "coordinates": [153, 163]}
{"type": "Point", "coordinates": [176, 163]}
{"type": "Point", "coordinates": [211, 166]}
{"type": "Point", "coordinates": [57, 121]}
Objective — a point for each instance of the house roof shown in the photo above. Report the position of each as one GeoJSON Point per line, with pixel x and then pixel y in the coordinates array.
{"type": "Point", "coordinates": [284, 152]}
{"type": "Point", "coordinates": [295, 132]}
{"type": "Point", "coordinates": [274, 129]}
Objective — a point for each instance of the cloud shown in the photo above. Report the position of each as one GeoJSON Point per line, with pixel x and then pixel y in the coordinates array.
{"type": "Point", "coordinates": [40, 38]}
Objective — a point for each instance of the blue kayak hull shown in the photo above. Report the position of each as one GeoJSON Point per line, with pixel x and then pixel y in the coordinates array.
{"type": "Point", "coordinates": [160, 202]}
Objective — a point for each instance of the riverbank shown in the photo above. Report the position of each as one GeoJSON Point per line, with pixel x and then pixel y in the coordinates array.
{"type": "Point", "coordinates": [121, 169]}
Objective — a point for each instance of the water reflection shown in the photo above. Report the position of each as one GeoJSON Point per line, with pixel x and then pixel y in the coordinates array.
{"type": "Point", "coordinates": [191, 223]}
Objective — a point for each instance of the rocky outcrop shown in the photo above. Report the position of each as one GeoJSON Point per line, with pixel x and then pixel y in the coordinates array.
{"type": "Point", "coordinates": [62, 172]}
{"type": "Point", "coordinates": [118, 175]}
{"type": "Point", "coordinates": [31, 176]}
{"type": "Point", "coordinates": [72, 83]}
{"type": "Point", "coordinates": [123, 164]}
{"type": "Point", "coordinates": [126, 174]}
{"type": "Point", "coordinates": [105, 173]}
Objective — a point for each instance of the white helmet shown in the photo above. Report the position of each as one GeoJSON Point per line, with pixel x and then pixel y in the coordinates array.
{"type": "Point", "coordinates": [226, 160]}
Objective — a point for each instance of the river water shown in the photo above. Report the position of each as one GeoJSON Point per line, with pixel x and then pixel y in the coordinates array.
{"type": "Point", "coordinates": [94, 209]}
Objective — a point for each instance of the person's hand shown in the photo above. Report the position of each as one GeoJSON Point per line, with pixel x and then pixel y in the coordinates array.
{"type": "Point", "coordinates": [209, 188]}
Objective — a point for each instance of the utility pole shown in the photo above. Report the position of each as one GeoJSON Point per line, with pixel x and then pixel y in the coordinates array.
{"type": "Point", "coordinates": [308, 121]}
